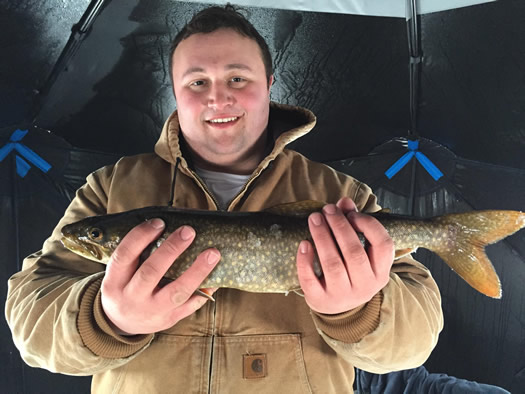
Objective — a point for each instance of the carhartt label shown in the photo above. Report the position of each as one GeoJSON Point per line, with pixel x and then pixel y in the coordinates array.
{"type": "Point", "coordinates": [254, 366]}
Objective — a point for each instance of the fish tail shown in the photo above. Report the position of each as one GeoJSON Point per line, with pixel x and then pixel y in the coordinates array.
{"type": "Point", "coordinates": [467, 236]}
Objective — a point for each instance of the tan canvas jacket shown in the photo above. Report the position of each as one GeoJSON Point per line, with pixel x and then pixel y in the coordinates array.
{"type": "Point", "coordinates": [242, 343]}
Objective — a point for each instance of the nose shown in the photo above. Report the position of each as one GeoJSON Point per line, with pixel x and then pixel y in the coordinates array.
{"type": "Point", "coordinates": [219, 96]}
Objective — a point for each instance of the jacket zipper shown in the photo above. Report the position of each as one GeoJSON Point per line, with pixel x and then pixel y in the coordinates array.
{"type": "Point", "coordinates": [214, 199]}
{"type": "Point", "coordinates": [205, 188]}
{"type": "Point", "coordinates": [207, 191]}
{"type": "Point", "coordinates": [210, 372]}
{"type": "Point", "coordinates": [245, 187]}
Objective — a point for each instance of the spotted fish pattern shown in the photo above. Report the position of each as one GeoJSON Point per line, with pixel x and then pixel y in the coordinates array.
{"type": "Point", "coordinates": [258, 249]}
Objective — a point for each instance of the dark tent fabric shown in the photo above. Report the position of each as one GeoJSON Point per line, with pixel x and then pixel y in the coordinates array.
{"type": "Point", "coordinates": [475, 326]}
{"type": "Point", "coordinates": [31, 205]}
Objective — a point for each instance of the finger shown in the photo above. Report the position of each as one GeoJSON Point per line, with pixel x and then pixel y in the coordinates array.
{"type": "Point", "coordinates": [381, 247]}
{"type": "Point", "coordinates": [308, 280]}
{"type": "Point", "coordinates": [194, 303]}
{"type": "Point", "coordinates": [180, 290]}
{"type": "Point", "coordinates": [354, 255]}
{"type": "Point", "coordinates": [334, 270]}
{"type": "Point", "coordinates": [149, 274]}
{"type": "Point", "coordinates": [346, 205]}
{"type": "Point", "coordinates": [124, 260]}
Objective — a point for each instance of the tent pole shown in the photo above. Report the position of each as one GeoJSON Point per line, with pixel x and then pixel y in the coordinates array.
{"type": "Point", "coordinates": [412, 197]}
{"type": "Point", "coordinates": [14, 210]}
{"type": "Point", "coordinates": [415, 63]}
{"type": "Point", "coordinates": [414, 76]}
{"type": "Point", "coordinates": [79, 32]}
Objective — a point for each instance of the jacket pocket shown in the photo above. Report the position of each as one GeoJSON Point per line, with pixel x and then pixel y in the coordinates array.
{"type": "Point", "coordinates": [170, 365]}
{"type": "Point", "coordinates": [259, 364]}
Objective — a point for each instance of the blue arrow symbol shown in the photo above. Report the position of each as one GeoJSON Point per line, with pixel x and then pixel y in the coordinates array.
{"type": "Point", "coordinates": [22, 167]}
{"type": "Point", "coordinates": [413, 147]}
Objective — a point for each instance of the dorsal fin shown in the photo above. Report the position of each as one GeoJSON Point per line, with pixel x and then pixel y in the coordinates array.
{"type": "Point", "coordinates": [299, 208]}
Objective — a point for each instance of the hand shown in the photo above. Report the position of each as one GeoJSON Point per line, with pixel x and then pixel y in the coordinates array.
{"type": "Point", "coordinates": [352, 275]}
{"type": "Point", "coordinates": [132, 298]}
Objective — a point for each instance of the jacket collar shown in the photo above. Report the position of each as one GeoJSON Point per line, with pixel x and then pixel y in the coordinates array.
{"type": "Point", "coordinates": [286, 124]}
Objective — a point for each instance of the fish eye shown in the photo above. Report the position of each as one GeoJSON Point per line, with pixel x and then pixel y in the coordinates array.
{"type": "Point", "coordinates": [95, 234]}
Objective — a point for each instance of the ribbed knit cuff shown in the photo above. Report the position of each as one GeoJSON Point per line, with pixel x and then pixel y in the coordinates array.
{"type": "Point", "coordinates": [354, 325]}
{"type": "Point", "coordinates": [96, 332]}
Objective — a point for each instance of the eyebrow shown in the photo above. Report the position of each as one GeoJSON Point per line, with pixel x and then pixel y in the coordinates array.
{"type": "Point", "coordinates": [237, 66]}
{"type": "Point", "coordinates": [232, 66]}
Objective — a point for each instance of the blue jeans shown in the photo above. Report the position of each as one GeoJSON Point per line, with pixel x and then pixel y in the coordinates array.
{"type": "Point", "coordinates": [419, 380]}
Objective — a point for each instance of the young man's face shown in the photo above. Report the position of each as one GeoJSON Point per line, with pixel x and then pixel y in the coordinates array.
{"type": "Point", "coordinates": [222, 95]}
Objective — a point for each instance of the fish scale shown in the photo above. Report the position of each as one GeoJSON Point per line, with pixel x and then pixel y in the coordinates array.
{"type": "Point", "coordinates": [258, 259]}
{"type": "Point", "coordinates": [258, 249]}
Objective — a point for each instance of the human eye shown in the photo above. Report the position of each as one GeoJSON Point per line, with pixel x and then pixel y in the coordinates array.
{"type": "Point", "coordinates": [197, 83]}
{"type": "Point", "coordinates": [238, 82]}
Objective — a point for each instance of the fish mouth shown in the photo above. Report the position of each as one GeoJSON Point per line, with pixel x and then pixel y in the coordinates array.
{"type": "Point", "coordinates": [82, 248]}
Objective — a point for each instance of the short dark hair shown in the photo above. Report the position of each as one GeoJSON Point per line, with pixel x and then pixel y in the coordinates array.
{"type": "Point", "coordinates": [214, 18]}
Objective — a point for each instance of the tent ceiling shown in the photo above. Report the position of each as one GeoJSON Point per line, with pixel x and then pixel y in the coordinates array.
{"type": "Point", "coordinates": [393, 8]}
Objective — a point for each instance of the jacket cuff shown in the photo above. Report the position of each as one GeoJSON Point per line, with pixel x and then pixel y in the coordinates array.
{"type": "Point", "coordinates": [351, 326]}
{"type": "Point", "coordinates": [97, 333]}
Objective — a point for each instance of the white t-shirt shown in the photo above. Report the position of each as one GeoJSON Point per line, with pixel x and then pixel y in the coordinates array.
{"type": "Point", "coordinates": [224, 186]}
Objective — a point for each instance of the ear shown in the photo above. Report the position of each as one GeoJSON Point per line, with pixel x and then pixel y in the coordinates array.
{"type": "Point", "coordinates": [270, 82]}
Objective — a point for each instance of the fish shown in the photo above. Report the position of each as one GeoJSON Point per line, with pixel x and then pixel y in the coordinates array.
{"type": "Point", "coordinates": [258, 249]}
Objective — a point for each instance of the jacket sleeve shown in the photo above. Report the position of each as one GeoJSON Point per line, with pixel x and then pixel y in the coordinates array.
{"type": "Point", "coordinates": [53, 305]}
{"type": "Point", "coordinates": [399, 327]}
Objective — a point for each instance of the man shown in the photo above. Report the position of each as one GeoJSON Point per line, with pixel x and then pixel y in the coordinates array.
{"type": "Point", "coordinates": [224, 149]}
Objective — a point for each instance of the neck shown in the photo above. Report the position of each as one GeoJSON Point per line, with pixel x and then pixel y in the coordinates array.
{"type": "Point", "coordinates": [242, 164]}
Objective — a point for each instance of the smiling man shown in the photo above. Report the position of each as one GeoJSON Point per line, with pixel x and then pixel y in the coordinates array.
{"type": "Point", "coordinates": [220, 81]}
{"type": "Point", "coordinates": [224, 148]}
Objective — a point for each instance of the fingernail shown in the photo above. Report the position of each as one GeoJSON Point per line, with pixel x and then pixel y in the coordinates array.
{"type": "Point", "coordinates": [186, 233]}
{"type": "Point", "coordinates": [303, 247]}
{"type": "Point", "coordinates": [156, 223]}
{"type": "Point", "coordinates": [316, 219]}
{"type": "Point", "coordinates": [330, 209]}
{"type": "Point", "coordinates": [213, 256]}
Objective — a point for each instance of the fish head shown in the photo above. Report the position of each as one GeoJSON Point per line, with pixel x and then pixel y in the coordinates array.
{"type": "Point", "coordinates": [93, 238]}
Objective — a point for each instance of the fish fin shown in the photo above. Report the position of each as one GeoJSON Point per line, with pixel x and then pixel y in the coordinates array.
{"type": "Point", "coordinates": [299, 292]}
{"type": "Point", "coordinates": [403, 252]}
{"type": "Point", "coordinates": [299, 208]}
{"type": "Point", "coordinates": [470, 233]}
{"type": "Point", "coordinates": [204, 293]}
{"type": "Point", "coordinates": [384, 210]}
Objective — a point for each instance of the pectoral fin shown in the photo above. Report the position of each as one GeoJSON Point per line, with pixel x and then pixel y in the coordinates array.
{"type": "Point", "coordinates": [403, 252]}
{"type": "Point", "coordinates": [203, 293]}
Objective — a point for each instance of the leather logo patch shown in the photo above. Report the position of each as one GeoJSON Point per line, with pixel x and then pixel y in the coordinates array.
{"type": "Point", "coordinates": [254, 366]}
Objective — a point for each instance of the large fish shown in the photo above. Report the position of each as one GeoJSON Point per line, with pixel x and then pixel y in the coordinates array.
{"type": "Point", "coordinates": [259, 249]}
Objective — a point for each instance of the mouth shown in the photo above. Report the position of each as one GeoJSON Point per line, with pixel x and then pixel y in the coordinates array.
{"type": "Point", "coordinates": [222, 122]}
{"type": "Point", "coordinates": [84, 250]}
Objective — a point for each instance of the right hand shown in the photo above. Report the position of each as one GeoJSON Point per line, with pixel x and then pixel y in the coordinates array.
{"type": "Point", "coordinates": [132, 298]}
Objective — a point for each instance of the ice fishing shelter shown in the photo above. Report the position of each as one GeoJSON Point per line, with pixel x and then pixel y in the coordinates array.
{"type": "Point", "coordinates": [89, 81]}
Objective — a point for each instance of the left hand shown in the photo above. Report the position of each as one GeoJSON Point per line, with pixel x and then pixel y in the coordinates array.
{"type": "Point", "coordinates": [351, 274]}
